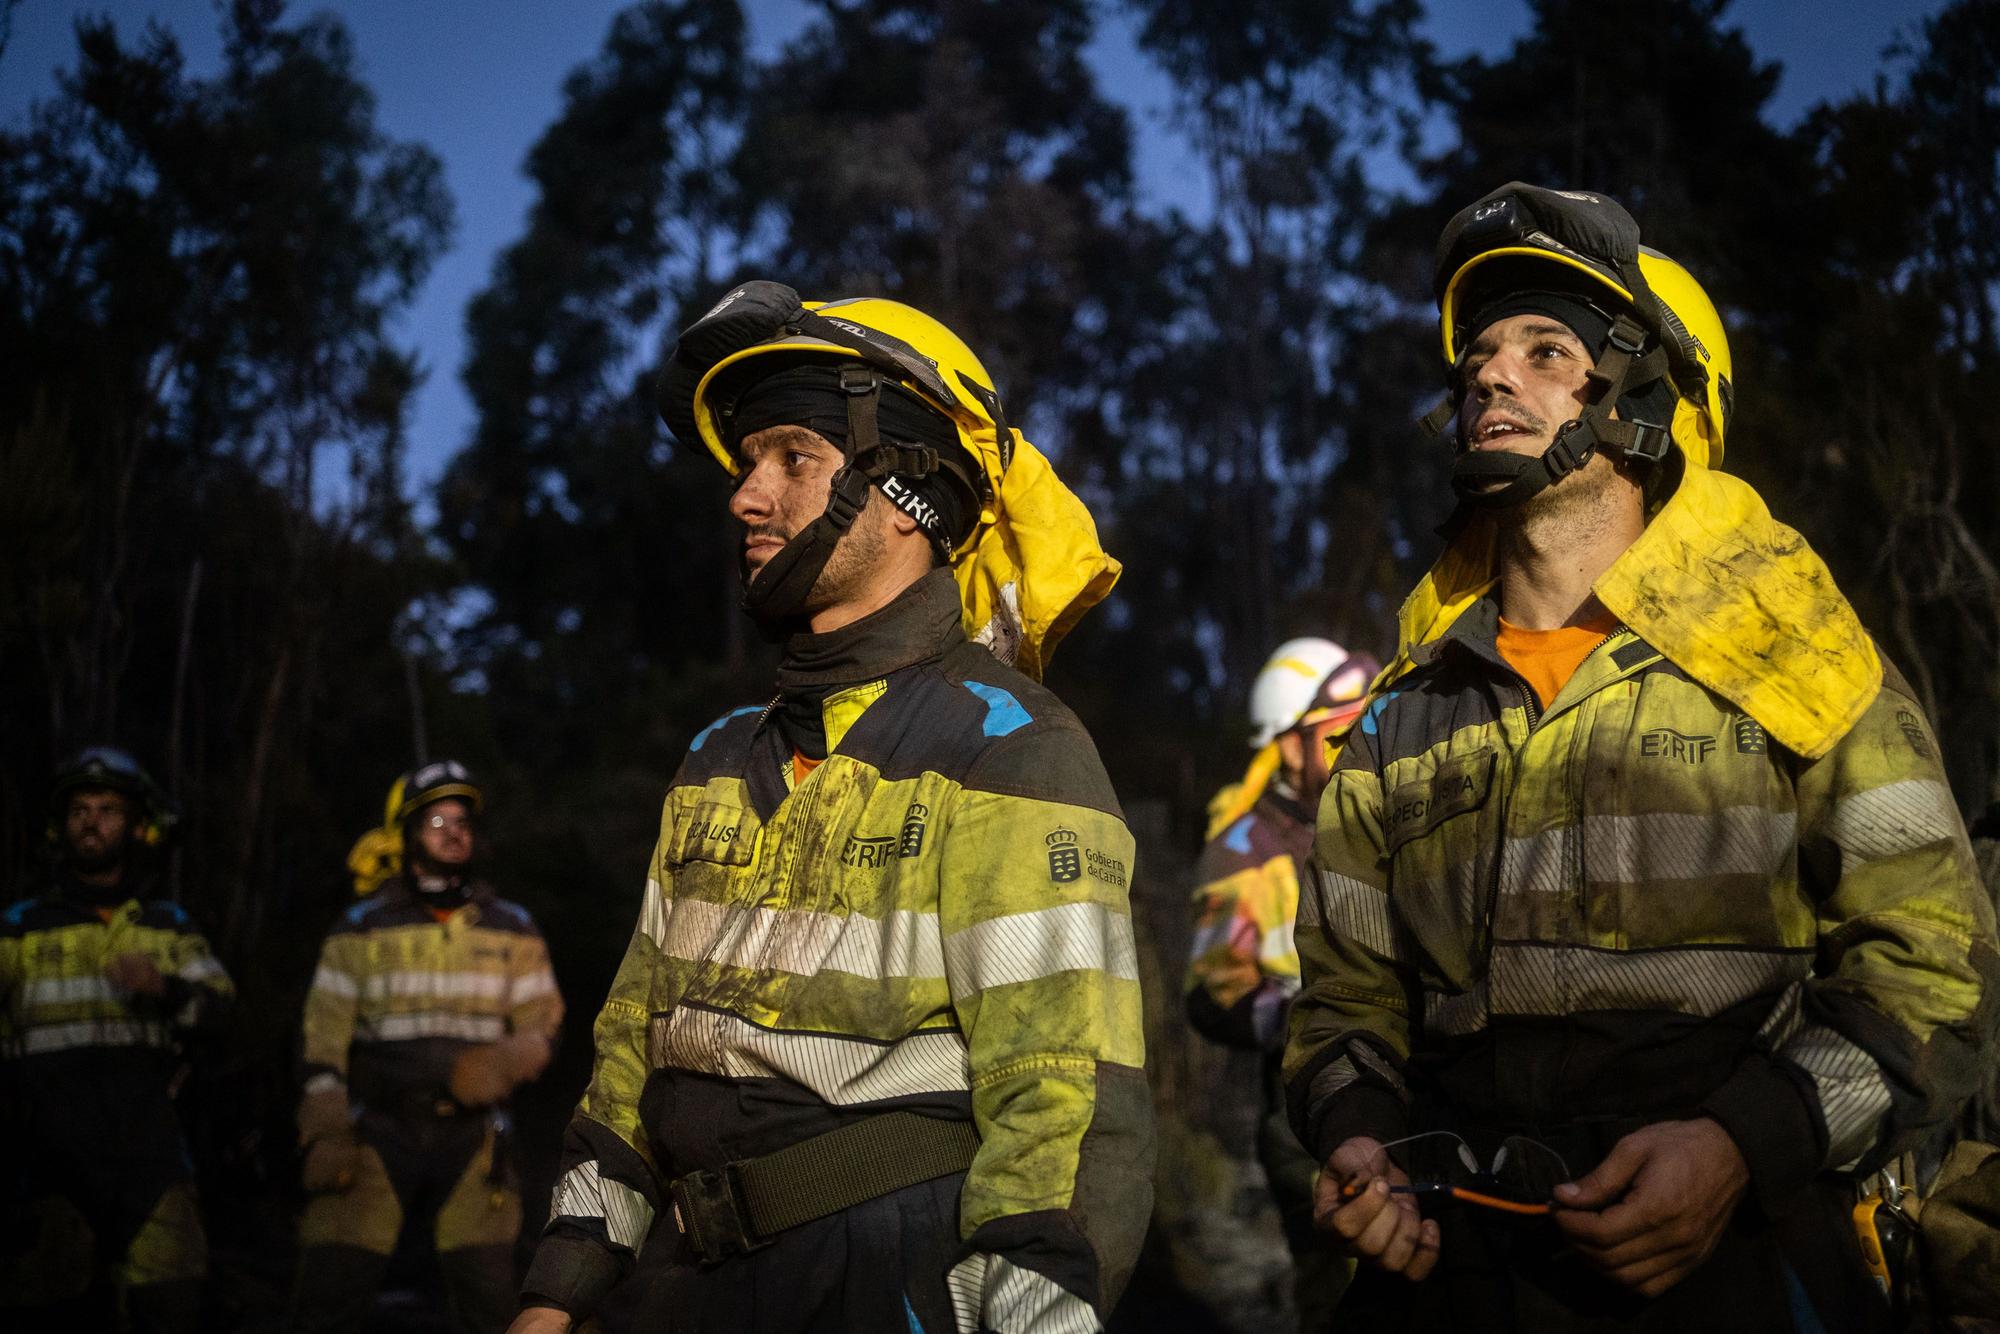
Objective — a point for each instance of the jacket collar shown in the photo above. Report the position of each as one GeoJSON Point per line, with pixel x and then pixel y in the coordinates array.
{"type": "Point", "coordinates": [93, 899]}
{"type": "Point", "coordinates": [922, 623]}
{"type": "Point", "coordinates": [1477, 632]}
{"type": "Point", "coordinates": [402, 891]}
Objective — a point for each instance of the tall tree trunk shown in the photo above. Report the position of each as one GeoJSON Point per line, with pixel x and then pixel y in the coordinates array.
{"type": "Point", "coordinates": [241, 928]}
{"type": "Point", "coordinates": [176, 775]}
{"type": "Point", "coordinates": [420, 737]}
{"type": "Point", "coordinates": [182, 654]}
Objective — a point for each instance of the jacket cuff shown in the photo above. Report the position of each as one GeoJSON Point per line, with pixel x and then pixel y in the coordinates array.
{"type": "Point", "coordinates": [572, 1273]}
{"type": "Point", "coordinates": [1363, 1108]}
{"type": "Point", "coordinates": [1775, 1122]}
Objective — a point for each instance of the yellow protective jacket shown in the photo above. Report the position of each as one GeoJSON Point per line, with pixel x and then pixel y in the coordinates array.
{"type": "Point", "coordinates": [88, 1065]}
{"type": "Point", "coordinates": [1243, 967]}
{"type": "Point", "coordinates": [398, 994]}
{"type": "Point", "coordinates": [1637, 904]}
{"type": "Point", "coordinates": [936, 919]}
{"type": "Point", "coordinates": [55, 998]}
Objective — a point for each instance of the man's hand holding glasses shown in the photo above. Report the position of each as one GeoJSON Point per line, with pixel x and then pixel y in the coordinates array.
{"type": "Point", "coordinates": [1646, 1216]}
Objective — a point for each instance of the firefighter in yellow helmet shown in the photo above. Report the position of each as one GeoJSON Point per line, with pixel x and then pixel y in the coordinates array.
{"type": "Point", "coordinates": [1243, 970]}
{"type": "Point", "coordinates": [432, 1003]}
{"type": "Point", "coordinates": [873, 1059]}
{"type": "Point", "coordinates": [1642, 924]}
{"type": "Point", "coordinates": [101, 989]}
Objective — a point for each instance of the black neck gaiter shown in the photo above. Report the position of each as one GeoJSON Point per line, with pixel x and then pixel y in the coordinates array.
{"type": "Point", "coordinates": [920, 624]}
{"type": "Point", "coordinates": [96, 896]}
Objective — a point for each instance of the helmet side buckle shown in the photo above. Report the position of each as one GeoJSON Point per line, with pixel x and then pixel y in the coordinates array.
{"type": "Point", "coordinates": [1560, 459]}
{"type": "Point", "coordinates": [846, 497]}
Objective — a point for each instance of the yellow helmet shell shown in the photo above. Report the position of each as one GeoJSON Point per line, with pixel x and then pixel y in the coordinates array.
{"type": "Point", "coordinates": [428, 783]}
{"type": "Point", "coordinates": [392, 809]}
{"type": "Point", "coordinates": [963, 390]}
{"type": "Point", "coordinates": [1699, 424]}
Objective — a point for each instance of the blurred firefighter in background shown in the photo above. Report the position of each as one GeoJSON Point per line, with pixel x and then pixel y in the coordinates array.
{"type": "Point", "coordinates": [1244, 968]}
{"type": "Point", "coordinates": [99, 990]}
{"type": "Point", "coordinates": [433, 1001]}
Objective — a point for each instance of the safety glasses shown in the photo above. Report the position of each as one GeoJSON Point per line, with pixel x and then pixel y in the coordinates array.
{"type": "Point", "coordinates": [1520, 1177]}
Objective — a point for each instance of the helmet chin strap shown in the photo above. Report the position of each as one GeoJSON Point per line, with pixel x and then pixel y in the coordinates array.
{"type": "Point", "coordinates": [1495, 479]}
{"type": "Point", "coordinates": [779, 590]}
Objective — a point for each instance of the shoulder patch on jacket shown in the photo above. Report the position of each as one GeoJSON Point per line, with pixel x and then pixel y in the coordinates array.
{"type": "Point", "coordinates": [1004, 713]}
{"type": "Point", "coordinates": [1234, 849]}
{"type": "Point", "coordinates": [21, 916]}
{"type": "Point", "coordinates": [701, 737]}
{"type": "Point", "coordinates": [506, 915]}
{"type": "Point", "coordinates": [358, 917]}
{"type": "Point", "coordinates": [1371, 718]}
{"type": "Point", "coordinates": [1427, 707]}
{"type": "Point", "coordinates": [722, 747]}
{"type": "Point", "coordinates": [1054, 760]}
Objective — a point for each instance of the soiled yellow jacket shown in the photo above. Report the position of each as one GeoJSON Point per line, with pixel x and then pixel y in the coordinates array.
{"type": "Point", "coordinates": [936, 918]}
{"type": "Point", "coordinates": [1243, 967]}
{"type": "Point", "coordinates": [1637, 902]}
{"type": "Point", "coordinates": [399, 994]}
{"type": "Point", "coordinates": [55, 997]}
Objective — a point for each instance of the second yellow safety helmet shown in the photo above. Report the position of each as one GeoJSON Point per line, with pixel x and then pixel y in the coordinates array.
{"type": "Point", "coordinates": [1664, 326]}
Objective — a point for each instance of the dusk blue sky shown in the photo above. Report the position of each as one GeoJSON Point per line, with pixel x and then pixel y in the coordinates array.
{"type": "Point", "coordinates": [479, 79]}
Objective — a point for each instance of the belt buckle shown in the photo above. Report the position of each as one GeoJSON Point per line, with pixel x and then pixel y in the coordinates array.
{"type": "Point", "coordinates": [710, 1212]}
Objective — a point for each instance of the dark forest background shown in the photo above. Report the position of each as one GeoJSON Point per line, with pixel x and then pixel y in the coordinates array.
{"type": "Point", "coordinates": [209, 553]}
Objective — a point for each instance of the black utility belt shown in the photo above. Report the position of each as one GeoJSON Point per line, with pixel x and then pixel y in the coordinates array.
{"type": "Point", "coordinates": [741, 1206]}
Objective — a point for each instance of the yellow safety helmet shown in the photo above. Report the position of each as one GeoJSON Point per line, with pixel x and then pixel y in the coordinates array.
{"type": "Point", "coordinates": [874, 342]}
{"type": "Point", "coordinates": [428, 783]}
{"type": "Point", "coordinates": [920, 353]}
{"type": "Point", "coordinates": [1664, 328]}
{"type": "Point", "coordinates": [377, 856]}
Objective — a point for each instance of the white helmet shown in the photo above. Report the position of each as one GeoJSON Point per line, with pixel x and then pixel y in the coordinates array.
{"type": "Point", "coordinates": [1306, 676]}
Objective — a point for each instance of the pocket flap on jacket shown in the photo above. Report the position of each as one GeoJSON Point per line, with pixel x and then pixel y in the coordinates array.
{"type": "Point", "coordinates": [716, 831]}
{"type": "Point", "coordinates": [1459, 785]}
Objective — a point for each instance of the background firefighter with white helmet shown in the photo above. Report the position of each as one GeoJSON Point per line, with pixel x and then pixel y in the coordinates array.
{"type": "Point", "coordinates": [1642, 925]}
{"type": "Point", "coordinates": [1243, 969]}
{"type": "Point", "coordinates": [432, 1002]}
{"type": "Point", "coordinates": [100, 990]}
{"type": "Point", "coordinates": [876, 1044]}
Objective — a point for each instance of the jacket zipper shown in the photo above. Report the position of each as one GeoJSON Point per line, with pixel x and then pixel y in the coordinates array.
{"type": "Point", "coordinates": [1531, 705]}
{"type": "Point", "coordinates": [1484, 950]}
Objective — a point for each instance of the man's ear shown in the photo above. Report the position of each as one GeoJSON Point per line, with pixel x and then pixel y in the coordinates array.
{"type": "Point", "coordinates": [900, 520]}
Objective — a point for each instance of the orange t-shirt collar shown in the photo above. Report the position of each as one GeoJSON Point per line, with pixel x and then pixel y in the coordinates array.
{"type": "Point", "coordinates": [1546, 659]}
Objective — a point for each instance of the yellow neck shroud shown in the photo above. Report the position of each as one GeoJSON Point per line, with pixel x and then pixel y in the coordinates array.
{"type": "Point", "coordinates": [1033, 566]}
{"type": "Point", "coordinates": [1736, 599]}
